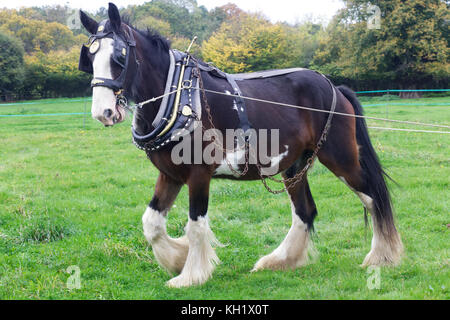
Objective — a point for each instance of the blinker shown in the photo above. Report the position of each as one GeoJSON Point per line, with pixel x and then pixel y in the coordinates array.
{"type": "Point", "coordinates": [85, 64]}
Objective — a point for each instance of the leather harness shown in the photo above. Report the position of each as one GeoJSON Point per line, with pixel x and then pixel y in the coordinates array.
{"type": "Point", "coordinates": [190, 106]}
{"type": "Point", "coordinates": [177, 112]}
{"type": "Point", "coordinates": [186, 108]}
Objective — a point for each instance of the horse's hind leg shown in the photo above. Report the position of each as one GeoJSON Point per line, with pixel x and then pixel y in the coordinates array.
{"type": "Point", "coordinates": [296, 247]}
{"type": "Point", "coordinates": [169, 252]}
{"type": "Point", "coordinates": [358, 167]}
{"type": "Point", "coordinates": [386, 248]}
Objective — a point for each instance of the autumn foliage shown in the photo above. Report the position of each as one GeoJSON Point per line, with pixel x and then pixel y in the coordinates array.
{"type": "Point", "coordinates": [409, 49]}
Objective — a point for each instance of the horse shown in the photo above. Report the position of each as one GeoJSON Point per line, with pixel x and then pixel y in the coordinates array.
{"type": "Point", "coordinates": [141, 74]}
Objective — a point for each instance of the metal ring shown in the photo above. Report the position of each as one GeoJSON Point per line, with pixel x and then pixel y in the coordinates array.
{"type": "Point", "coordinates": [189, 86]}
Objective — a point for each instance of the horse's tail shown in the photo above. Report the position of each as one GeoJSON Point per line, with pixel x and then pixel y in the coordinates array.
{"type": "Point", "coordinates": [375, 185]}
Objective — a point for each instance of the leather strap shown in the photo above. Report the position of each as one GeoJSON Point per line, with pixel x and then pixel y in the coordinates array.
{"type": "Point", "coordinates": [244, 124]}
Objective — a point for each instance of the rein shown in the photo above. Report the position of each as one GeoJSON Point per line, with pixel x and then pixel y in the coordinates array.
{"type": "Point", "coordinates": [139, 105]}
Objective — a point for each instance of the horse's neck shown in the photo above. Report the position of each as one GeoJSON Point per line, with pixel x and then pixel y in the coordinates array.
{"type": "Point", "coordinates": [150, 83]}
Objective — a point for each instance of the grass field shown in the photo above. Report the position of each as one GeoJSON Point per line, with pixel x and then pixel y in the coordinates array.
{"type": "Point", "coordinates": [72, 193]}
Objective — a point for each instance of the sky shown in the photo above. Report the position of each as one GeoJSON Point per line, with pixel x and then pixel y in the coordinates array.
{"type": "Point", "coordinates": [291, 11]}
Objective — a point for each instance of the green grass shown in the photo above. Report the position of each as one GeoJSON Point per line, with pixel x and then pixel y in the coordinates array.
{"type": "Point", "coordinates": [73, 192]}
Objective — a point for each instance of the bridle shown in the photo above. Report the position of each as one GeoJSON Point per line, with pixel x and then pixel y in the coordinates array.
{"type": "Point", "coordinates": [121, 56]}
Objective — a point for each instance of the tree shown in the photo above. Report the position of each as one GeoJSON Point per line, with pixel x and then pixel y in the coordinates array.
{"type": "Point", "coordinates": [54, 13]}
{"type": "Point", "coordinates": [36, 35]}
{"type": "Point", "coordinates": [247, 43]}
{"type": "Point", "coordinates": [409, 48]}
{"type": "Point", "coordinates": [185, 18]}
{"type": "Point", "coordinates": [155, 24]}
{"type": "Point", "coordinates": [11, 63]}
{"type": "Point", "coordinates": [55, 73]}
{"type": "Point", "coordinates": [303, 41]}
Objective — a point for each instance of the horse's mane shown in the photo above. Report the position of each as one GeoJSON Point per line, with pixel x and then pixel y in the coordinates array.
{"type": "Point", "coordinates": [152, 40]}
{"type": "Point", "coordinates": [151, 35]}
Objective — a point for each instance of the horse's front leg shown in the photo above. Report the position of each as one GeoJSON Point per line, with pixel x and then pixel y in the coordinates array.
{"type": "Point", "coordinates": [169, 252]}
{"type": "Point", "coordinates": [202, 258]}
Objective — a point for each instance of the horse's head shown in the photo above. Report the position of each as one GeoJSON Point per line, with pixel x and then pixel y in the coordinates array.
{"type": "Point", "coordinates": [111, 57]}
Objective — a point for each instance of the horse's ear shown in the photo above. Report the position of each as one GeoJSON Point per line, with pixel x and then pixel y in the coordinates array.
{"type": "Point", "coordinates": [90, 24]}
{"type": "Point", "coordinates": [114, 17]}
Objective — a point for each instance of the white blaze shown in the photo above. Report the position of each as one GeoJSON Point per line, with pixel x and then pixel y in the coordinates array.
{"type": "Point", "coordinates": [103, 98]}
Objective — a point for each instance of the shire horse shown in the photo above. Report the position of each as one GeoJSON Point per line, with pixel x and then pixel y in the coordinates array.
{"type": "Point", "coordinates": [347, 152]}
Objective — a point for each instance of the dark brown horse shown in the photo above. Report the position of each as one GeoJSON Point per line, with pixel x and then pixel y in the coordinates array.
{"type": "Point", "coordinates": [347, 152]}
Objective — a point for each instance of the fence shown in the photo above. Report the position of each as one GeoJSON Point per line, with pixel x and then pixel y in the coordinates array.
{"type": "Point", "coordinates": [406, 90]}
{"type": "Point", "coordinates": [30, 104]}
{"type": "Point", "coordinates": [87, 99]}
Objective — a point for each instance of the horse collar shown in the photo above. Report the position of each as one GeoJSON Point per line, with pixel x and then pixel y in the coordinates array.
{"type": "Point", "coordinates": [177, 112]}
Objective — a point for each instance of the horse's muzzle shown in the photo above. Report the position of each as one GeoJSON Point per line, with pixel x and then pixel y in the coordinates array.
{"type": "Point", "coordinates": [110, 117]}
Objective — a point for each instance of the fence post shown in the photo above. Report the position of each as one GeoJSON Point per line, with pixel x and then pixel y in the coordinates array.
{"type": "Point", "coordinates": [387, 105]}
{"type": "Point", "coordinates": [84, 114]}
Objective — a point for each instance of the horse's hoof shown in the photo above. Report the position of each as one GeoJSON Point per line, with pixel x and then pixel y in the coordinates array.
{"type": "Point", "coordinates": [182, 281]}
{"type": "Point", "coordinates": [270, 262]}
{"type": "Point", "coordinates": [177, 282]}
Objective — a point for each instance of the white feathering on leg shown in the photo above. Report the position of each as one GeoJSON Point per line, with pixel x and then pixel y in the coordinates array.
{"type": "Point", "coordinates": [295, 251]}
{"type": "Point", "coordinates": [201, 259]}
{"type": "Point", "coordinates": [169, 252]}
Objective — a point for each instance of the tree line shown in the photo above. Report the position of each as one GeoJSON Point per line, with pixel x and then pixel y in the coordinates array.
{"type": "Point", "coordinates": [406, 48]}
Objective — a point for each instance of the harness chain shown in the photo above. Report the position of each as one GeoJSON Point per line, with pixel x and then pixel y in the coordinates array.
{"type": "Point", "coordinates": [297, 177]}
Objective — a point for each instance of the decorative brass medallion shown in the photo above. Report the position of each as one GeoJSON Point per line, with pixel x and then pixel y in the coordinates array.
{"type": "Point", "coordinates": [93, 48]}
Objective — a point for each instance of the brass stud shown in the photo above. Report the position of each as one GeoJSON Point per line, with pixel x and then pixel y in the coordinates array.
{"type": "Point", "coordinates": [186, 111]}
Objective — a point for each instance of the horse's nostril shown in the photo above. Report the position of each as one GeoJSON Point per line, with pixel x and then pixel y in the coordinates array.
{"type": "Point", "coordinates": [107, 113]}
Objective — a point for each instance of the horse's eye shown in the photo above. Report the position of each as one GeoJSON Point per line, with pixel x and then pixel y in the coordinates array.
{"type": "Point", "coordinates": [93, 48]}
